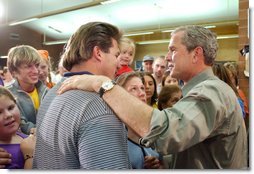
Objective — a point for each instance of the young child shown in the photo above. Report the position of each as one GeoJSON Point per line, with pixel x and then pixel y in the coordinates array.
{"type": "Point", "coordinates": [10, 137]}
{"type": "Point", "coordinates": [127, 53]}
{"type": "Point", "coordinates": [169, 95]}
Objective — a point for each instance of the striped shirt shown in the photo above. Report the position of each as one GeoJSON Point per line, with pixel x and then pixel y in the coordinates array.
{"type": "Point", "coordinates": [79, 130]}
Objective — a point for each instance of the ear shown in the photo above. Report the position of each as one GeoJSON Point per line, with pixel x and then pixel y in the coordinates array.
{"type": "Point", "coordinates": [197, 53]}
{"type": "Point", "coordinates": [97, 53]}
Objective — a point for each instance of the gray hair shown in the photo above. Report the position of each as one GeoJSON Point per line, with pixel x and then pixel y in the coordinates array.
{"type": "Point", "coordinates": [195, 36]}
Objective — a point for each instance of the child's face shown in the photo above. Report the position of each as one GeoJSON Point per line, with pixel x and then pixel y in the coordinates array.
{"type": "Point", "coordinates": [171, 81]}
{"type": "Point", "coordinates": [9, 117]}
{"type": "Point", "coordinates": [126, 55]}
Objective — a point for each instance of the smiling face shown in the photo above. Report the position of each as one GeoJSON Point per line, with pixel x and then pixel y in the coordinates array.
{"type": "Point", "coordinates": [9, 117]}
{"type": "Point", "coordinates": [27, 74]}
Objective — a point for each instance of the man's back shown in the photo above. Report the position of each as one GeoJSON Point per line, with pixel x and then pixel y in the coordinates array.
{"type": "Point", "coordinates": [80, 131]}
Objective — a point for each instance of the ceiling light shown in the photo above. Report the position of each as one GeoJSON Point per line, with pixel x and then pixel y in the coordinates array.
{"type": "Point", "coordinates": [136, 34]}
{"type": "Point", "coordinates": [3, 57]}
{"type": "Point", "coordinates": [210, 26]}
{"type": "Point", "coordinates": [109, 2]}
{"type": "Point", "coordinates": [167, 31]}
{"type": "Point", "coordinates": [55, 42]}
{"type": "Point", "coordinates": [153, 42]}
{"type": "Point", "coordinates": [230, 36]}
{"type": "Point", "coordinates": [23, 21]}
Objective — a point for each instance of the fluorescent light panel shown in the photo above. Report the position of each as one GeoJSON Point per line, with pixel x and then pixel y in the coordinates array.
{"type": "Point", "coordinates": [23, 21]}
{"type": "Point", "coordinates": [137, 34]}
{"type": "Point", "coordinates": [109, 2]}
{"type": "Point", "coordinates": [153, 42]}
{"type": "Point", "coordinates": [210, 26]}
{"type": "Point", "coordinates": [55, 42]}
{"type": "Point", "coordinates": [167, 31]}
{"type": "Point", "coordinates": [231, 36]}
{"type": "Point", "coordinates": [3, 57]}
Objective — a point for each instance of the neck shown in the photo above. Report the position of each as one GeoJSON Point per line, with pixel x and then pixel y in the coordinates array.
{"type": "Point", "coordinates": [148, 101]}
{"type": "Point", "coordinates": [88, 65]}
{"type": "Point", "coordinates": [6, 139]}
{"type": "Point", "coordinates": [26, 87]}
{"type": "Point", "coordinates": [133, 136]}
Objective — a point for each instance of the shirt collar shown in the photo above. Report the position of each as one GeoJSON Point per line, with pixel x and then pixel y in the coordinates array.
{"type": "Point", "coordinates": [69, 74]}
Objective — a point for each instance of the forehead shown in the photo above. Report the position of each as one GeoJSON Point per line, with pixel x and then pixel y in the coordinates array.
{"type": "Point", "coordinates": [133, 81]}
{"type": "Point", "coordinates": [160, 61]}
{"type": "Point", "coordinates": [176, 38]}
{"type": "Point", "coordinates": [148, 78]}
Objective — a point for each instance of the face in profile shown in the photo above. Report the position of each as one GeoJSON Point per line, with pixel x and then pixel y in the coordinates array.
{"type": "Point", "coordinates": [9, 117]}
{"type": "Point", "coordinates": [136, 88]}
{"type": "Point", "coordinates": [109, 61]}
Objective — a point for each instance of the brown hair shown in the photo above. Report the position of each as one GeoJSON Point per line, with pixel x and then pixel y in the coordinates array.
{"type": "Point", "coordinates": [125, 77]}
{"type": "Point", "coordinates": [223, 73]}
{"type": "Point", "coordinates": [166, 94]}
{"type": "Point", "coordinates": [5, 92]}
{"type": "Point", "coordinates": [81, 44]}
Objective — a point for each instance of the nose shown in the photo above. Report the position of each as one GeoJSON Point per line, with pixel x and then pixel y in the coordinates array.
{"type": "Point", "coordinates": [169, 57]}
{"type": "Point", "coordinates": [8, 115]}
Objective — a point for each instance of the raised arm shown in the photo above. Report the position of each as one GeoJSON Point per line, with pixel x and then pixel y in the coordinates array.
{"type": "Point", "coordinates": [126, 106]}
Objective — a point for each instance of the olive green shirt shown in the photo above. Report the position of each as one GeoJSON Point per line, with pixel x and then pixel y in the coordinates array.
{"type": "Point", "coordinates": [205, 129]}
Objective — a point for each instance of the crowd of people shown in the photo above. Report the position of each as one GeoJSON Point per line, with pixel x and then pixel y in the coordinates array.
{"type": "Point", "coordinates": [179, 111]}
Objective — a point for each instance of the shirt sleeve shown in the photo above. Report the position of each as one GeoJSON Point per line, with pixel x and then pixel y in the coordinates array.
{"type": "Point", "coordinates": [185, 124]}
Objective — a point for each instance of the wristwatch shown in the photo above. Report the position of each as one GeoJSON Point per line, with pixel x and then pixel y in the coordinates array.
{"type": "Point", "coordinates": [106, 86]}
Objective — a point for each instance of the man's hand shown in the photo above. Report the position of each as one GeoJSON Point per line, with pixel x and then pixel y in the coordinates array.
{"type": "Point", "coordinates": [83, 82]}
{"type": "Point", "coordinates": [5, 158]}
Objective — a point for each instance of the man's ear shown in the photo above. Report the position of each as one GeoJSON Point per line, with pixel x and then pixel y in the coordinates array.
{"type": "Point", "coordinates": [97, 53]}
{"type": "Point", "coordinates": [198, 52]}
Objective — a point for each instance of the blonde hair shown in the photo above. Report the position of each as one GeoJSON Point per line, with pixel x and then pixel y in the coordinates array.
{"type": "Point", "coordinates": [129, 42]}
{"type": "Point", "coordinates": [22, 54]}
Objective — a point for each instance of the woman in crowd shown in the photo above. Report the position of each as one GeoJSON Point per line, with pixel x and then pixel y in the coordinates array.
{"type": "Point", "coordinates": [139, 156]}
{"type": "Point", "coordinates": [12, 141]}
{"type": "Point", "coordinates": [223, 73]}
{"type": "Point", "coordinates": [150, 89]}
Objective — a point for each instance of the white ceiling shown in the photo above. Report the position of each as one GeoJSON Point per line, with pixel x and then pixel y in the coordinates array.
{"type": "Point", "coordinates": [128, 15]}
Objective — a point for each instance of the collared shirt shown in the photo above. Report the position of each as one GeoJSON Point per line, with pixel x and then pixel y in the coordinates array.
{"type": "Point", "coordinates": [78, 130]}
{"type": "Point", "coordinates": [205, 128]}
